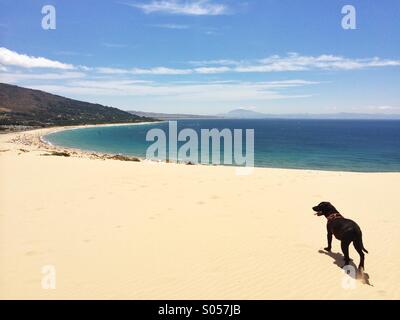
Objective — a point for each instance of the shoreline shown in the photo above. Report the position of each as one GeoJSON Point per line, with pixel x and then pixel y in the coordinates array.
{"type": "Point", "coordinates": [91, 152]}
{"type": "Point", "coordinates": [36, 138]}
{"type": "Point", "coordinates": [107, 154]}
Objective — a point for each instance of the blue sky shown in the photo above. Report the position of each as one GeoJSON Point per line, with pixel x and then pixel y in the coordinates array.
{"type": "Point", "coordinates": [208, 56]}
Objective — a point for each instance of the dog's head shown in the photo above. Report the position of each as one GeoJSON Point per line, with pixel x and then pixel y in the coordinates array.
{"type": "Point", "coordinates": [324, 209]}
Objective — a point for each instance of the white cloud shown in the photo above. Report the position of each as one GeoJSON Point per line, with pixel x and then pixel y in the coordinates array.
{"type": "Point", "coordinates": [384, 109]}
{"type": "Point", "coordinates": [16, 77]}
{"type": "Point", "coordinates": [144, 71]}
{"type": "Point", "coordinates": [183, 7]}
{"type": "Point", "coordinates": [113, 45]}
{"type": "Point", "coordinates": [84, 68]}
{"type": "Point", "coordinates": [234, 92]}
{"type": "Point", "coordinates": [291, 62]}
{"type": "Point", "coordinates": [211, 70]}
{"type": "Point", "coordinates": [388, 108]}
{"type": "Point", "coordinates": [296, 62]}
{"type": "Point", "coordinates": [252, 108]}
{"type": "Point", "coordinates": [107, 70]}
{"type": "Point", "coordinates": [275, 63]}
{"type": "Point", "coordinates": [12, 58]}
{"type": "Point", "coordinates": [221, 62]}
{"type": "Point", "coordinates": [170, 26]}
{"type": "Point", "coordinates": [161, 71]}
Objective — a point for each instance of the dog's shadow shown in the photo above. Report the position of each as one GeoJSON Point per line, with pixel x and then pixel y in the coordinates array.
{"type": "Point", "coordinates": [338, 260]}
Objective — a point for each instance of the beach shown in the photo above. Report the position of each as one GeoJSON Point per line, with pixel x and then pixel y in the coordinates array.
{"type": "Point", "coordinates": [147, 230]}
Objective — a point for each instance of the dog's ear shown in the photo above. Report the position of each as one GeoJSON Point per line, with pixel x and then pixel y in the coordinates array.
{"type": "Point", "coordinates": [331, 208]}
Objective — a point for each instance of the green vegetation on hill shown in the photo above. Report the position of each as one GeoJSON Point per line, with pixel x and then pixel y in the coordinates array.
{"type": "Point", "coordinates": [33, 108]}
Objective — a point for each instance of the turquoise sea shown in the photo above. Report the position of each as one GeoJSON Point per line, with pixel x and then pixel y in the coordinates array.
{"type": "Point", "coordinates": [341, 145]}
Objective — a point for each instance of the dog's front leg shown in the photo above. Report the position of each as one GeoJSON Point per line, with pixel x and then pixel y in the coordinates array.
{"type": "Point", "coordinates": [329, 237]}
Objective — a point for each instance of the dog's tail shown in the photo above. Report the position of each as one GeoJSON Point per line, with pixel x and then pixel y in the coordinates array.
{"type": "Point", "coordinates": [362, 245]}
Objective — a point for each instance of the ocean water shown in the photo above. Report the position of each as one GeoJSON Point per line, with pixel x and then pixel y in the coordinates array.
{"type": "Point", "coordinates": [340, 145]}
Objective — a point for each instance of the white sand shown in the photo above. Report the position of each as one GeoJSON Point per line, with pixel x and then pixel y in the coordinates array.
{"type": "Point", "coordinates": [129, 230]}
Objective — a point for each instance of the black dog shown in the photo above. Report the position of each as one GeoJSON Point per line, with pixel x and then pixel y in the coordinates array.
{"type": "Point", "coordinates": [345, 230]}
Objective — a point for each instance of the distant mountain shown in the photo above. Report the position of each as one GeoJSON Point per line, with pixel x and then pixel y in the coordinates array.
{"type": "Point", "coordinates": [249, 114]}
{"type": "Point", "coordinates": [170, 116]}
{"type": "Point", "coordinates": [33, 108]}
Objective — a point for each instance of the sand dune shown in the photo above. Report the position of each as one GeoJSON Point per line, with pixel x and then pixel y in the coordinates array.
{"type": "Point", "coordinates": [129, 230]}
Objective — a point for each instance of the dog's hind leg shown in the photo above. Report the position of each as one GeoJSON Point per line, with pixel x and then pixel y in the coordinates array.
{"type": "Point", "coordinates": [345, 249]}
{"type": "Point", "coordinates": [359, 247]}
